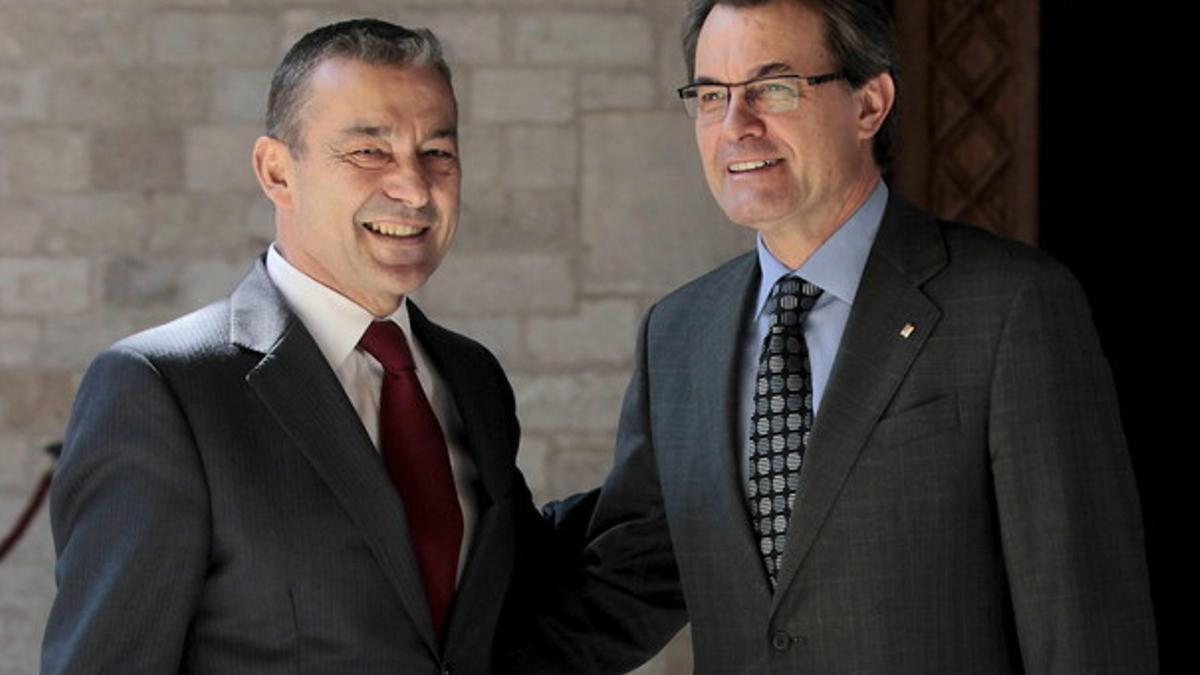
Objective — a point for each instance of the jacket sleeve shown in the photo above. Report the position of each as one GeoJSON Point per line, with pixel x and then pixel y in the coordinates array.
{"type": "Point", "coordinates": [1068, 506]}
{"type": "Point", "coordinates": [620, 602]}
{"type": "Point", "coordinates": [130, 517]}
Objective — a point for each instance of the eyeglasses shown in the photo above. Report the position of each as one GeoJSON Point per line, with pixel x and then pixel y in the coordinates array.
{"type": "Point", "coordinates": [708, 101]}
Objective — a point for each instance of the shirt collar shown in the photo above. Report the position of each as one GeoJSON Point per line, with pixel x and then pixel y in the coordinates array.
{"type": "Point", "coordinates": [837, 265]}
{"type": "Point", "coordinates": [335, 322]}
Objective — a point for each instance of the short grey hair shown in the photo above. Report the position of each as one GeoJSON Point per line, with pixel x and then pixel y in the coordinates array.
{"type": "Point", "coordinates": [859, 35]}
{"type": "Point", "coordinates": [367, 40]}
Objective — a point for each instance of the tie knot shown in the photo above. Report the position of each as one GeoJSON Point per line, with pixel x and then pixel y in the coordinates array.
{"type": "Point", "coordinates": [386, 342]}
{"type": "Point", "coordinates": [790, 299]}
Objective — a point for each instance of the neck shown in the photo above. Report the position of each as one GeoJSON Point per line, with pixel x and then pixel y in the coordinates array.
{"type": "Point", "coordinates": [379, 306]}
{"type": "Point", "coordinates": [792, 246]}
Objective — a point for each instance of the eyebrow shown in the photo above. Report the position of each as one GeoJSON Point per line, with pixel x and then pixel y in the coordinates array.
{"type": "Point", "coordinates": [377, 131]}
{"type": "Point", "coordinates": [773, 68]}
{"type": "Point", "coordinates": [371, 130]}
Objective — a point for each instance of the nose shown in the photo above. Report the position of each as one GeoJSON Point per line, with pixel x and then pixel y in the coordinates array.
{"type": "Point", "coordinates": [407, 183]}
{"type": "Point", "coordinates": [740, 119]}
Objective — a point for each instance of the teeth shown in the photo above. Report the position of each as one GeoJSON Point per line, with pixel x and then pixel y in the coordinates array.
{"type": "Point", "coordinates": [739, 167]}
{"type": "Point", "coordinates": [394, 230]}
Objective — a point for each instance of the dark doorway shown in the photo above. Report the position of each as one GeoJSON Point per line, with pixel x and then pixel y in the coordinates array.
{"type": "Point", "coordinates": [1106, 128]}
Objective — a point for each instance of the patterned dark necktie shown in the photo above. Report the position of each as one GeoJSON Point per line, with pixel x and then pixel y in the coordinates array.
{"type": "Point", "coordinates": [782, 417]}
{"type": "Point", "coordinates": [418, 463]}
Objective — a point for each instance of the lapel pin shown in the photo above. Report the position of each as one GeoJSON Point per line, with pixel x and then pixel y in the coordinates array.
{"type": "Point", "coordinates": [907, 330]}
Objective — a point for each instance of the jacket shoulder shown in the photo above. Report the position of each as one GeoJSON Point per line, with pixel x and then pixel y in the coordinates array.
{"type": "Point", "coordinates": [987, 257]}
{"type": "Point", "coordinates": [448, 341]}
{"type": "Point", "coordinates": [459, 342]}
{"type": "Point", "coordinates": [199, 336]}
{"type": "Point", "coordinates": [712, 284]}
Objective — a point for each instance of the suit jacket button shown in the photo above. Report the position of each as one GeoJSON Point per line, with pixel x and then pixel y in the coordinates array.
{"type": "Point", "coordinates": [781, 641]}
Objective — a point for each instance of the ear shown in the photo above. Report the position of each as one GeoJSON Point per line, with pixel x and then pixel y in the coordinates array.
{"type": "Point", "coordinates": [877, 97]}
{"type": "Point", "coordinates": [274, 167]}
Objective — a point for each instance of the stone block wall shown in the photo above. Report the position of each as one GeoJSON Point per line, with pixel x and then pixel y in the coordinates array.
{"type": "Point", "coordinates": [127, 198]}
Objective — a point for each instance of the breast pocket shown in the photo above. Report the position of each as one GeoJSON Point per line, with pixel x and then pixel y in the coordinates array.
{"type": "Point", "coordinates": [919, 421]}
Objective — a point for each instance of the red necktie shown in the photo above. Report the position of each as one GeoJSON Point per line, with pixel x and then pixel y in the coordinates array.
{"type": "Point", "coordinates": [418, 462]}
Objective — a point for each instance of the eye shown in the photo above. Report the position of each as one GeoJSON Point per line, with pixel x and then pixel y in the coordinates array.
{"type": "Point", "coordinates": [711, 94]}
{"type": "Point", "coordinates": [368, 157]}
{"type": "Point", "coordinates": [440, 159]}
{"type": "Point", "coordinates": [776, 89]}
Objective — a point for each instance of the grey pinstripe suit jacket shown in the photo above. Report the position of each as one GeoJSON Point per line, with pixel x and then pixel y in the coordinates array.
{"type": "Point", "coordinates": [219, 508]}
{"type": "Point", "coordinates": [966, 503]}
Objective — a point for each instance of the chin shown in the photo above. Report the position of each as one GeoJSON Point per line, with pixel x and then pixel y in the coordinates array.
{"type": "Point", "coordinates": [405, 282]}
{"type": "Point", "coordinates": [754, 210]}
{"type": "Point", "coordinates": [752, 218]}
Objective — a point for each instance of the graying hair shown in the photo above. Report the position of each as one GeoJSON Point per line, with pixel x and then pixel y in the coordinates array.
{"type": "Point", "coordinates": [859, 35]}
{"type": "Point", "coordinates": [367, 40]}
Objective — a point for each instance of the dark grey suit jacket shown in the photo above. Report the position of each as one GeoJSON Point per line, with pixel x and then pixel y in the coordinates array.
{"type": "Point", "coordinates": [966, 503]}
{"type": "Point", "coordinates": [219, 508]}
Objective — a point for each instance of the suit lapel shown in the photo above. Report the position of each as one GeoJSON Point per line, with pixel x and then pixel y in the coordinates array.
{"type": "Point", "coordinates": [296, 384]}
{"type": "Point", "coordinates": [485, 438]}
{"type": "Point", "coordinates": [721, 326]}
{"type": "Point", "coordinates": [478, 407]}
{"type": "Point", "coordinates": [872, 360]}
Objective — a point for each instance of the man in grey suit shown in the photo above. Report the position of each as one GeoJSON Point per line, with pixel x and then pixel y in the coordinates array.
{"type": "Point", "coordinates": [880, 443]}
{"type": "Point", "coordinates": [262, 486]}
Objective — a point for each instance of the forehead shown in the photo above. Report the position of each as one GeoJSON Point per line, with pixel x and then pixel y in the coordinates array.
{"type": "Point", "coordinates": [340, 89]}
{"type": "Point", "coordinates": [735, 42]}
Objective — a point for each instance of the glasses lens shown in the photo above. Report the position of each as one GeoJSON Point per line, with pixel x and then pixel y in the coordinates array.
{"type": "Point", "coordinates": [774, 95]}
{"type": "Point", "coordinates": [688, 96]}
{"type": "Point", "coordinates": [710, 100]}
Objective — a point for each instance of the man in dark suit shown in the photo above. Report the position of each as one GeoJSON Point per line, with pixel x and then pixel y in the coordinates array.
{"type": "Point", "coordinates": [309, 476]}
{"type": "Point", "coordinates": [881, 443]}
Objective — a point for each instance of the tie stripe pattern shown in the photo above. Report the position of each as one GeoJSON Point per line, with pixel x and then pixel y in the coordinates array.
{"type": "Point", "coordinates": [782, 418]}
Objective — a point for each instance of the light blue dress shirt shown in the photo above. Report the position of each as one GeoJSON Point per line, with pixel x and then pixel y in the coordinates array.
{"type": "Point", "coordinates": [837, 267]}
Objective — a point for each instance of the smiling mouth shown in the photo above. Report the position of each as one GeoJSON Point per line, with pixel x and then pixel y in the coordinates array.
{"type": "Point", "coordinates": [396, 230]}
{"type": "Point", "coordinates": [743, 167]}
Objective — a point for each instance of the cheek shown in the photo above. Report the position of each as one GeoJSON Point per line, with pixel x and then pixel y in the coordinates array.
{"type": "Point", "coordinates": [322, 194]}
{"type": "Point", "coordinates": [446, 191]}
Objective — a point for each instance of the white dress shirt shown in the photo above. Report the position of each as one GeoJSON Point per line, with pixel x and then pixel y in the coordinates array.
{"type": "Point", "coordinates": [337, 323]}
